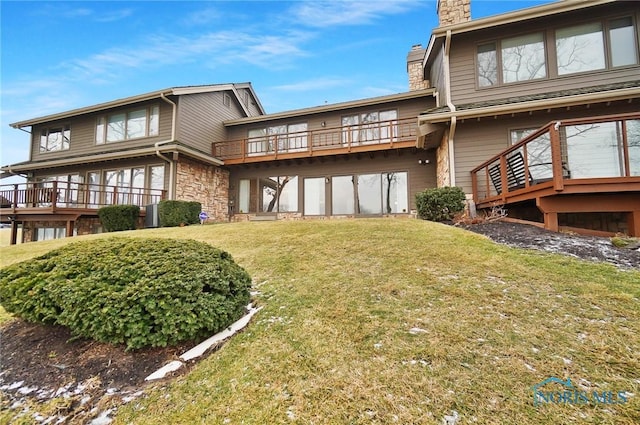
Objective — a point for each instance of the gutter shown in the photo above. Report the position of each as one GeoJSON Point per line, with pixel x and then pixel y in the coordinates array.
{"type": "Point", "coordinates": [173, 138]}
{"type": "Point", "coordinates": [452, 107]}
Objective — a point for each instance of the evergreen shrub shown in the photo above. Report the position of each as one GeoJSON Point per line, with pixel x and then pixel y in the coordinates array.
{"type": "Point", "coordinates": [115, 218]}
{"type": "Point", "coordinates": [440, 204]}
{"type": "Point", "coordinates": [176, 213]}
{"type": "Point", "coordinates": [134, 291]}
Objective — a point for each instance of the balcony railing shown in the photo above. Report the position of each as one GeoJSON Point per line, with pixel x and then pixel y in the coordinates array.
{"type": "Point", "coordinates": [603, 148]}
{"type": "Point", "coordinates": [326, 141]}
{"type": "Point", "coordinates": [61, 194]}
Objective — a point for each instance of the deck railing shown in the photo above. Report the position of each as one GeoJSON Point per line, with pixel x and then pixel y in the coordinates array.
{"type": "Point", "coordinates": [587, 148]}
{"type": "Point", "coordinates": [62, 194]}
{"type": "Point", "coordinates": [318, 142]}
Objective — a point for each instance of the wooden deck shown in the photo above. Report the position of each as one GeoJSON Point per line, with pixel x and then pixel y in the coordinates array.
{"type": "Point", "coordinates": [377, 136]}
{"type": "Point", "coordinates": [589, 165]}
{"type": "Point", "coordinates": [66, 202]}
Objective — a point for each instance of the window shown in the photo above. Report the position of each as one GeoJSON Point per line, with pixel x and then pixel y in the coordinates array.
{"type": "Point", "coordinates": [342, 200]}
{"type": "Point", "coordinates": [516, 135]}
{"type": "Point", "coordinates": [487, 63]}
{"type": "Point", "coordinates": [394, 193]}
{"type": "Point", "coordinates": [523, 58]}
{"type": "Point", "coordinates": [55, 139]}
{"type": "Point", "coordinates": [226, 100]}
{"type": "Point", "coordinates": [580, 48]}
{"type": "Point", "coordinates": [623, 42]}
{"type": "Point", "coordinates": [67, 187]}
{"type": "Point", "coordinates": [314, 196]}
{"type": "Point", "coordinates": [279, 194]}
{"type": "Point", "coordinates": [284, 138]}
{"type": "Point", "coordinates": [134, 124]}
{"type": "Point", "coordinates": [370, 127]}
{"type": "Point", "coordinates": [244, 196]}
{"type": "Point", "coordinates": [49, 233]}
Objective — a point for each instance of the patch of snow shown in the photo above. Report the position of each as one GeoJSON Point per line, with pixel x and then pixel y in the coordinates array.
{"type": "Point", "coordinates": [416, 331]}
{"type": "Point", "coordinates": [535, 350]}
{"type": "Point", "coordinates": [566, 361]}
{"type": "Point", "coordinates": [531, 368]}
{"type": "Point", "coordinates": [377, 345]}
{"type": "Point", "coordinates": [163, 371]}
{"type": "Point", "coordinates": [451, 419]}
{"type": "Point", "coordinates": [103, 418]}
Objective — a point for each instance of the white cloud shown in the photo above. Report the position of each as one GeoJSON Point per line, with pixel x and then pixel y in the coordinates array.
{"type": "Point", "coordinates": [354, 12]}
{"type": "Point", "coordinates": [202, 17]}
{"type": "Point", "coordinates": [114, 15]}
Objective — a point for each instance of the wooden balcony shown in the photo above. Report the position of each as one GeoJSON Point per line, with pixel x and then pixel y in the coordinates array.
{"type": "Point", "coordinates": [572, 166]}
{"type": "Point", "coordinates": [57, 196]}
{"type": "Point", "coordinates": [368, 137]}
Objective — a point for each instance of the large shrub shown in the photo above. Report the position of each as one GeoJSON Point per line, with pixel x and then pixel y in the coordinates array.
{"type": "Point", "coordinates": [176, 213]}
{"type": "Point", "coordinates": [140, 292]}
{"type": "Point", "coordinates": [116, 218]}
{"type": "Point", "coordinates": [440, 204]}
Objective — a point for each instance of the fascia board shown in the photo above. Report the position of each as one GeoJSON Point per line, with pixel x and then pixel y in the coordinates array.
{"type": "Point", "coordinates": [534, 105]}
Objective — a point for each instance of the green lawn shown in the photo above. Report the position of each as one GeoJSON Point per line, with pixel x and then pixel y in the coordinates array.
{"type": "Point", "coordinates": [402, 321]}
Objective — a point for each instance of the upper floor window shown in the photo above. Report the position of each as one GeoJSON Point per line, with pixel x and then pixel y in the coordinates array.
{"type": "Point", "coordinates": [369, 127]}
{"type": "Point", "coordinates": [580, 48]}
{"type": "Point", "coordinates": [286, 138]}
{"type": "Point", "coordinates": [143, 122]}
{"type": "Point", "coordinates": [55, 139]}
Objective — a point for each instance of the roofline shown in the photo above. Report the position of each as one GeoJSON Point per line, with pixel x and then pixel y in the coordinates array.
{"type": "Point", "coordinates": [332, 107]}
{"type": "Point", "coordinates": [518, 15]}
{"type": "Point", "coordinates": [139, 98]}
{"type": "Point", "coordinates": [151, 150]}
{"type": "Point", "coordinates": [532, 105]}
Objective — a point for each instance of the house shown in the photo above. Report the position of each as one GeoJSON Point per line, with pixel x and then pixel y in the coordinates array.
{"type": "Point", "coordinates": [138, 150]}
{"type": "Point", "coordinates": [536, 110]}
{"type": "Point", "coordinates": [542, 111]}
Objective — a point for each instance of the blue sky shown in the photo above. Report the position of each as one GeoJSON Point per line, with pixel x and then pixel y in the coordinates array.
{"type": "Point", "coordinates": [61, 55]}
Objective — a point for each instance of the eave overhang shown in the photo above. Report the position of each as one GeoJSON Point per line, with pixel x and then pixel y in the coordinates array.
{"type": "Point", "coordinates": [332, 107]}
{"type": "Point", "coordinates": [175, 91]}
{"type": "Point", "coordinates": [25, 167]}
{"type": "Point", "coordinates": [533, 105]}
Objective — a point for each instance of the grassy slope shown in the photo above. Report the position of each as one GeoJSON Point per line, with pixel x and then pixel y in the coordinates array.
{"type": "Point", "coordinates": [333, 342]}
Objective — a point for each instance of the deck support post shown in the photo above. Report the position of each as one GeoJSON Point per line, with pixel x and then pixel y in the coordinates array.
{"type": "Point", "coordinates": [633, 221]}
{"type": "Point", "coordinates": [69, 229]}
{"type": "Point", "coordinates": [551, 221]}
{"type": "Point", "coordinates": [14, 232]}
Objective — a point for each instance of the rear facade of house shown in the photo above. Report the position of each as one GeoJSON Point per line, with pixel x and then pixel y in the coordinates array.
{"type": "Point", "coordinates": [534, 110]}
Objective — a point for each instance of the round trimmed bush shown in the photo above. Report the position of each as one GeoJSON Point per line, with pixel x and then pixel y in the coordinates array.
{"type": "Point", "coordinates": [140, 292]}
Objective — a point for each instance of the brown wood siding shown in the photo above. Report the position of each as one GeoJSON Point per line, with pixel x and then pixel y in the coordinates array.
{"type": "Point", "coordinates": [200, 118]}
{"type": "Point", "coordinates": [83, 130]}
{"type": "Point", "coordinates": [437, 77]}
{"type": "Point", "coordinates": [419, 176]}
{"type": "Point", "coordinates": [477, 141]}
{"type": "Point", "coordinates": [463, 57]}
{"type": "Point", "coordinates": [406, 109]}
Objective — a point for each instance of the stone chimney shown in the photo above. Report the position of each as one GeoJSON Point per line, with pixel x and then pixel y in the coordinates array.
{"type": "Point", "coordinates": [453, 11]}
{"type": "Point", "coordinates": [415, 69]}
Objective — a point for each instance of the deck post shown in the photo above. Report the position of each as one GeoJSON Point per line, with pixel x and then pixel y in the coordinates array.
{"type": "Point", "coordinates": [551, 221]}
{"type": "Point", "coordinates": [69, 229]}
{"type": "Point", "coordinates": [633, 221]}
{"type": "Point", "coordinates": [14, 232]}
{"type": "Point", "coordinates": [556, 158]}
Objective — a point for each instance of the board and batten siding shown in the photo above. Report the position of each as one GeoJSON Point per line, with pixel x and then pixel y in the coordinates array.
{"type": "Point", "coordinates": [464, 87]}
{"type": "Point", "coordinates": [83, 133]}
{"type": "Point", "coordinates": [437, 76]}
{"type": "Point", "coordinates": [420, 177]}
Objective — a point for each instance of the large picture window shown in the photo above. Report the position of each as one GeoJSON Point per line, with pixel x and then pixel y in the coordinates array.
{"type": "Point", "coordinates": [55, 139]}
{"type": "Point", "coordinates": [370, 127]}
{"type": "Point", "coordinates": [279, 194]}
{"type": "Point", "coordinates": [580, 48]}
{"type": "Point", "coordinates": [284, 138]}
{"type": "Point", "coordinates": [143, 122]}
{"type": "Point", "coordinates": [523, 58]}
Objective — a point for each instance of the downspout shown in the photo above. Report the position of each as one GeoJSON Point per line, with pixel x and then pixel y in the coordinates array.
{"type": "Point", "coordinates": [452, 108]}
{"type": "Point", "coordinates": [173, 139]}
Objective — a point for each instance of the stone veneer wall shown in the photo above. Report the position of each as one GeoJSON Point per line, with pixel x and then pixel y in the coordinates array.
{"type": "Point", "coordinates": [443, 176]}
{"type": "Point", "coordinates": [416, 76]}
{"type": "Point", "coordinates": [454, 11]}
{"type": "Point", "coordinates": [207, 184]}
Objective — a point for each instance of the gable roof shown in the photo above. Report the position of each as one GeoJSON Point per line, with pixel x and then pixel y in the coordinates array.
{"type": "Point", "coordinates": [333, 107]}
{"type": "Point", "coordinates": [176, 91]}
